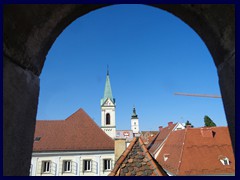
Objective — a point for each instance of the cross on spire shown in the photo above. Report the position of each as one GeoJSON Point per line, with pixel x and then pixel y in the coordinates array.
{"type": "Point", "coordinates": [107, 71]}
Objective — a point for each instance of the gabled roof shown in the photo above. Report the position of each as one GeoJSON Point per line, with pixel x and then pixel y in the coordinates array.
{"type": "Point", "coordinates": [137, 161]}
{"type": "Point", "coordinates": [159, 138]}
{"type": "Point", "coordinates": [78, 132]}
{"type": "Point", "coordinates": [197, 151]}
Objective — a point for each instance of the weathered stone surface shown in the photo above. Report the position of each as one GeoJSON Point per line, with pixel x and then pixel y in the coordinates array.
{"type": "Point", "coordinates": [130, 160]}
{"type": "Point", "coordinates": [133, 173]}
{"type": "Point", "coordinates": [130, 168]}
{"type": "Point", "coordinates": [128, 174]}
{"type": "Point", "coordinates": [20, 99]}
{"type": "Point", "coordinates": [145, 159]}
{"type": "Point", "coordinates": [138, 165]}
{"type": "Point", "coordinates": [226, 73]}
{"type": "Point", "coordinates": [125, 170]}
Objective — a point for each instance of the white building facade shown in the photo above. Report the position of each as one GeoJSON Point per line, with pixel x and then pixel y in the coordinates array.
{"type": "Point", "coordinates": [79, 163]}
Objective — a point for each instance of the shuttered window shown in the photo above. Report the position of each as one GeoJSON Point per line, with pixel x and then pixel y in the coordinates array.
{"type": "Point", "coordinates": [107, 164]}
{"type": "Point", "coordinates": [87, 165]}
{"type": "Point", "coordinates": [46, 166]}
{"type": "Point", "coordinates": [67, 166]}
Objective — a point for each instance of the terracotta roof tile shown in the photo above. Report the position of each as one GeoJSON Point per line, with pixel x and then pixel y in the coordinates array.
{"type": "Point", "coordinates": [192, 152]}
{"type": "Point", "coordinates": [137, 161]}
{"type": "Point", "coordinates": [77, 132]}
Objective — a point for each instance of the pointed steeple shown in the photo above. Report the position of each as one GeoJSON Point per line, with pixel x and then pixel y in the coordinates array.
{"type": "Point", "coordinates": [107, 90]}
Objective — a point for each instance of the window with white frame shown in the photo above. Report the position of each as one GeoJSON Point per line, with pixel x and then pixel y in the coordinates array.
{"type": "Point", "coordinates": [67, 166]}
{"type": "Point", "coordinates": [46, 166]}
{"type": "Point", "coordinates": [107, 164]}
{"type": "Point", "coordinates": [87, 165]}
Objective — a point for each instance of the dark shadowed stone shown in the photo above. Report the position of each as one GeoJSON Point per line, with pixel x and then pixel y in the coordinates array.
{"type": "Point", "coordinates": [122, 173]}
{"type": "Point", "coordinates": [149, 171]}
{"type": "Point", "coordinates": [133, 173]}
{"type": "Point", "coordinates": [130, 168]}
{"type": "Point", "coordinates": [147, 167]}
{"type": "Point", "coordinates": [145, 173]}
{"type": "Point", "coordinates": [138, 164]}
{"type": "Point", "coordinates": [20, 91]}
{"type": "Point", "coordinates": [125, 170]}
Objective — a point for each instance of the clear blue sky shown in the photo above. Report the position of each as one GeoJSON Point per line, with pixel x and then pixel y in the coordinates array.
{"type": "Point", "coordinates": [151, 55]}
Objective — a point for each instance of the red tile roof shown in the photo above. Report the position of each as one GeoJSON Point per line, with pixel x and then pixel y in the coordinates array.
{"type": "Point", "coordinates": [137, 161]}
{"type": "Point", "coordinates": [159, 138]}
{"type": "Point", "coordinates": [197, 151]}
{"type": "Point", "coordinates": [77, 132]}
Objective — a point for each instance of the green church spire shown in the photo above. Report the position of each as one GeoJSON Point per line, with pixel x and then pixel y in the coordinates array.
{"type": "Point", "coordinates": [107, 90]}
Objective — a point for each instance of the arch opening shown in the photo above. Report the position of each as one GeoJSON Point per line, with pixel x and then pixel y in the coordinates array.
{"type": "Point", "coordinates": [51, 20]}
{"type": "Point", "coordinates": [108, 119]}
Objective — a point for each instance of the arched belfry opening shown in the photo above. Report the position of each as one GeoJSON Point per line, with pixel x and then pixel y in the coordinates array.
{"type": "Point", "coordinates": [108, 119]}
{"type": "Point", "coordinates": [30, 30]}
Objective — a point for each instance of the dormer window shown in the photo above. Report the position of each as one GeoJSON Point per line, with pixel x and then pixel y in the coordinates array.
{"type": "Point", "coordinates": [165, 157]}
{"type": "Point", "coordinates": [224, 160]}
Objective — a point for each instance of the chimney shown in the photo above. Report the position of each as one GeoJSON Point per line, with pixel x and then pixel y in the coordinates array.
{"type": "Point", "coordinates": [119, 147]}
{"type": "Point", "coordinates": [188, 126]}
{"type": "Point", "coordinates": [170, 123]}
{"type": "Point", "coordinates": [160, 128]}
{"type": "Point", "coordinates": [207, 132]}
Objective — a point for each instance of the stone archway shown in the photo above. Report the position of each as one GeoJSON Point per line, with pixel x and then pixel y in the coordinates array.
{"type": "Point", "coordinates": [30, 31]}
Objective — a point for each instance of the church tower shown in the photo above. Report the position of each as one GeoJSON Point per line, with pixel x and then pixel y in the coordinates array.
{"type": "Point", "coordinates": [108, 106]}
{"type": "Point", "coordinates": [134, 123]}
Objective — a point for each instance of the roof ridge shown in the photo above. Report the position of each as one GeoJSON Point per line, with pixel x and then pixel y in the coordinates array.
{"type": "Point", "coordinates": [41, 120]}
{"type": "Point", "coordinates": [122, 157]}
{"type": "Point", "coordinates": [76, 112]}
{"type": "Point", "coordinates": [150, 157]}
{"type": "Point", "coordinates": [137, 143]}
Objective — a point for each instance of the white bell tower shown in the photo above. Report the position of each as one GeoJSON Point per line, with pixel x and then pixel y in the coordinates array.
{"type": "Point", "coordinates": [134, 123]}
{"type": "Point", "coordinates": [108, 106]}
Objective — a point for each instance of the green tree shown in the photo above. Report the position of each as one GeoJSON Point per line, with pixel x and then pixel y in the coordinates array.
{"type": "Point", "coordinates": [208, 122]}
